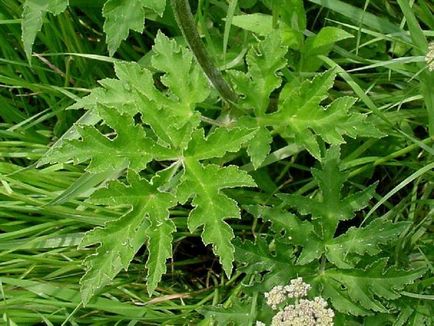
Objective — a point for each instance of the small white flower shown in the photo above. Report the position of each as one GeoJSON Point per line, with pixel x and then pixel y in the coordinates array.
{"type": "Point", "coordinates": [305, 313]}
{"type": "Point", "coordinates": [429, 58]}
{"type": "Point", "coordinates": [276, 296]}
{"type": "Point", "coordinates": [297, 288]}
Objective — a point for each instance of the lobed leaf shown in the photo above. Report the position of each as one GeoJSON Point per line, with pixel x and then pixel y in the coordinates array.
{"type": "Point", "coordinates": [184, 78]}
{"type": "Point", "coordinates": [147, 125]}
{"type": "Point", "coordinates": [357, 291]}
{"type": "Point", "coordinates": [259, 258]}
{"type": "Point", "coordinates": [297, 232]}
{"type": "Point", "coordinates": [146, 221]}
{"type": "Point", "coordinates": [300, 116]}
{"type": "Point", "coordinates": [259, 146]}
{"type": "Point", "coordinates": [171, 114]}
{"type": "Point", "coordinates": [264, 62]}
{"type": "Point", "coordinates": [342, 250]}
{"type": "Point", "coordinates": [217, 143]}
{"type": "Point", "coordinates": [331, 208]}
{"type": "Point", "coordinates": [121, 16]}
{"type": "Point", "coordinates": [33, 15]}
{"type": "Point", "coordinates": [130, 147]}
{"type": "Point", "coordinates": [211, 206]}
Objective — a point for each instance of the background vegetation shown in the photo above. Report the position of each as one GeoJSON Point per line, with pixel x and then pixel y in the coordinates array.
{"type": "Point", "coordinates": [378, 54]}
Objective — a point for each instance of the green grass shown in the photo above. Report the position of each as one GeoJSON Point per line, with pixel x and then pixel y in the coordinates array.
{"type": "Point", "coordinates": [44, 215]}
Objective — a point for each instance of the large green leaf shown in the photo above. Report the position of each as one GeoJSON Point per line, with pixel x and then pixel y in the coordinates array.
{"type": "Point", "coordinates": [344, 250]}
{"type": "Point", "coordinates": [358, 291]}
{"type": "Point", "coordinates": [171, 116]}
{"type": "Point", "coordinates": [130, 147]}
{"type": "Point", "coordinates": [134, 91]}
{"type": "Point", "coordinates": [33, 15]}
{"type": "Point", "coordinates": [330, 207]}
{"type": "Point", "coordinates": [217, 143]}
{"type": "Point", "coordinates": [121, 16]}
{"type": "Point", "coordinates": [264, 61]}
{"type": "Point", "coordinates": [297, 115]}
{"type": "Point", "coordinates": [142, 123]}
{"type": "Point", "coordinates": [147, 220]}
{"type": "Point", "coordinates": [301, 117]}
{"type": "Point", "coordinates": [171, 113]}
{"type": "Point", "coordinates": [211, 205]}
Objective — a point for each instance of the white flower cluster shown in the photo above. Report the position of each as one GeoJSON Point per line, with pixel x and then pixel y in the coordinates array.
{"type": "Point", "coordinates": [296, 289]}
{"type": "Point", "coordinates": [276, 296]}
{"type": "Point", "coordinates": [304, 312]}
{"type": "Point", "coordinates": [429, 58]}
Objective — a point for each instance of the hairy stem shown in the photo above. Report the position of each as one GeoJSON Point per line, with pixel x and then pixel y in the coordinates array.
{"type": "Point", "coordinates": [185, 20]}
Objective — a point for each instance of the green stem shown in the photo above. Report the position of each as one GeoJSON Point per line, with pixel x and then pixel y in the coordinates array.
{"type": "Point", "coordinates": [185, 20]}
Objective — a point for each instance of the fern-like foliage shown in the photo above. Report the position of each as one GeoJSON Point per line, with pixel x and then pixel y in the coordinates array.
{"type": "Point", "coordinates": [348, 269]}
{"type": "Point", "coordinates": [205, 183]}
{"type": "Point", "coordinates": [276, 261]}
{"type": "Point", "coordinates": [121, 16]}
{"type": "Point", "coordinates": [136, 124]}
{"type": "Point", "coordinates": [130, 147]}
{"type": "Point", "coordinates": [168, 130]}
{"type": "Point", "coordinates": [298, 116]}
{"type": "Point", "coordinates": [327, 210]}
{"type": "Point", "coordinates": [361, 291]}
{"type": "Point", "coordinates": [147, 220]}
{"type": "Point", "coordinates": [346, 250]}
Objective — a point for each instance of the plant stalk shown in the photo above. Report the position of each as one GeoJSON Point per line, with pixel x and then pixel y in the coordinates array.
{"type": "Point", "coordinates": [185, 20]}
